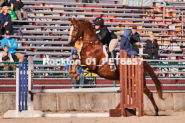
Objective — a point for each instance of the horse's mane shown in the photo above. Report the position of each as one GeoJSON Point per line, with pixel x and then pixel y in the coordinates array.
{"type": "Point", "coordinates": [87, 23]}
{"type": "Point", "coordinates": [85, 20]}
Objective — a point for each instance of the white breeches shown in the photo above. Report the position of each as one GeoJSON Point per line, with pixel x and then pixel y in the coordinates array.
{"type": "Point", "coordinates": [112, 45]}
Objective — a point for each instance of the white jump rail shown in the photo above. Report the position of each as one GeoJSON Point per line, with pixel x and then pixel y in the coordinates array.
{"type": "Point", "coordinates": [81, 90]}
{"type": "Point", "coordinates": [80, 115]}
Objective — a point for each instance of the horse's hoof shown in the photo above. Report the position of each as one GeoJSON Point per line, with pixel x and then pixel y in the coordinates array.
{"type": "Point", "coordinates": [113, 70]}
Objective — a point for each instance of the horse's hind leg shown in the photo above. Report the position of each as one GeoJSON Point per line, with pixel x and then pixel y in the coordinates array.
{"type": "Point", "coordinates": [150, 96]}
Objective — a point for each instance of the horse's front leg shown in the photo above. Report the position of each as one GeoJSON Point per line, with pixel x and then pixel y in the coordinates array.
{"type": "Point", "coordinates": [71, 71]}
{"type": "Point", "coordinates": [74, 70]}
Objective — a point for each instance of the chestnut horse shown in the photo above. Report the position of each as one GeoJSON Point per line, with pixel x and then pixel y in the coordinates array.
{"type": "Point", "coordinates": [93, 48]}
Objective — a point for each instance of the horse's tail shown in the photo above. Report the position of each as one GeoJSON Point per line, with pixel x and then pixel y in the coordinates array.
{"type": "Point", "coordinates": [148, 69]}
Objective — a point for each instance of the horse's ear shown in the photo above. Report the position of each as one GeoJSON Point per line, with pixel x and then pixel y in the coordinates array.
{"type": "Point", "coordinates": [70, 19]}
{"type": "Point", "coordinates": [75, 21]}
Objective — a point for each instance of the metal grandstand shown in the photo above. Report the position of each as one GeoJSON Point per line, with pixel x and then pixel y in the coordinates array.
{"type": "Point", "coordinates": [45, 34]}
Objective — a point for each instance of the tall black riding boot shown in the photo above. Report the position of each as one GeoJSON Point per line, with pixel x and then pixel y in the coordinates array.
{"type": "Point", "coordinates": [113, 67]}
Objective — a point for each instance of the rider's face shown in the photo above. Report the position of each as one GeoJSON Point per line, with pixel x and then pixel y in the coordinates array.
{"type": "Point", "coordinates": [97, 26]}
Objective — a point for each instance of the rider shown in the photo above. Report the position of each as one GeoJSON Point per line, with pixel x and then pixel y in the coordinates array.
{"type": "Point", "coordinates": [107, 38]}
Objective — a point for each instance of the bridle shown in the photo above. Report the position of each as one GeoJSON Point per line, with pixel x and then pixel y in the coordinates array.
{"type": "Point", "coordinates": [76, 37]}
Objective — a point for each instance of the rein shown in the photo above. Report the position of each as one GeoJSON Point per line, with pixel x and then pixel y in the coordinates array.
{"type": "Point", "coordinates": [89, 43]}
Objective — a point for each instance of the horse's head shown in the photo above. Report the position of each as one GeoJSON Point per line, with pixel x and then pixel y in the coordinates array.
{"type": "Point", "coordinates": [75, 32]}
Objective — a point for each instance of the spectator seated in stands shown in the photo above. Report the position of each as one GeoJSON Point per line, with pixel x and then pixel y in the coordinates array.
{"type": "Point", "coordinates": [7, 57]}
{"type": "Point", "coordinates": [135, 39]}
{"type": "Point", "coordinates": [18, 8]}
{"type": "Point", "coordinates": [5, 20]}
{"type": "Point", "coordinates": [126, 45]}
{"type": "Point", "coordinates": [152, 47]}
{"type": "Point", "coordinates": [7, 40]}
{"type": "Point", "coordinates": [78, 76]}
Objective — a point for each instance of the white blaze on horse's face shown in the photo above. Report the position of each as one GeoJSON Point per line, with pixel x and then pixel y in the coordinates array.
{"type": "Point", "coordinates": [70, 35]}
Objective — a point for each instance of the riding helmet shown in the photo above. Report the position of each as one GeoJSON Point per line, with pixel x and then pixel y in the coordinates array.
{"type": "Point", "coordinates": [99, 21]}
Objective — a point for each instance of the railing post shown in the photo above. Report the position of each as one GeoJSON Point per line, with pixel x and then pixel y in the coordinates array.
{"type": "Point", "coordinates": [114, 83]}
